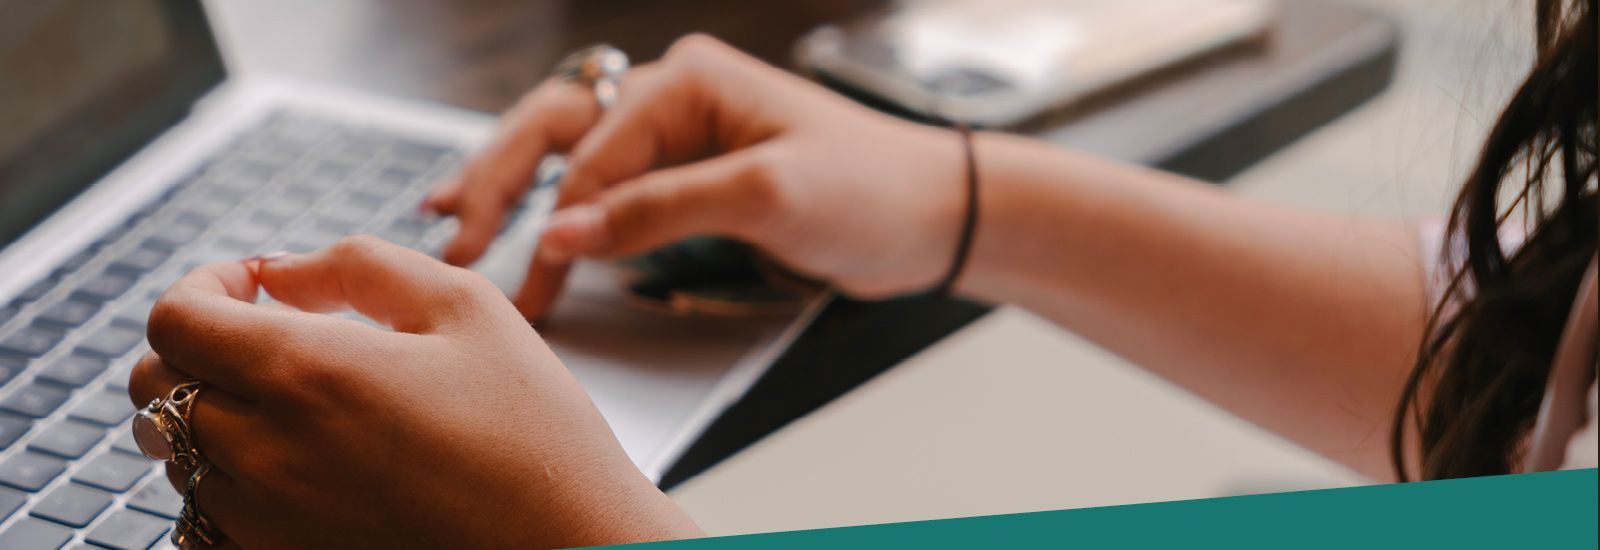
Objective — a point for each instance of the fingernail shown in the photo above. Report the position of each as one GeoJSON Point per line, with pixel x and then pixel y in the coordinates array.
{"type": "Point", "coordinates": [549, 254]}
{"type": "Point", "coordinates": [270, 256]}
{"type": "Point", "coordinates": [583, 219]}
{"type": "Point", "coordinates": [427, 212]}
{"type": "Point", "coordinates": [572, 228]}
{"type": "Point", "coordinates": [255, 262]}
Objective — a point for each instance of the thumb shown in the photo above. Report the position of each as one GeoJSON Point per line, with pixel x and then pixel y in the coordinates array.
{"type": "Point", "coordinates": [725, 195]}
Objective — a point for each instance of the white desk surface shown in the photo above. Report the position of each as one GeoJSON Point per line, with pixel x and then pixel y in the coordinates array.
{"type": "Point", "coordinates": [1009, 415]}
{"type": "Point", "coordinates": [1014, 414]}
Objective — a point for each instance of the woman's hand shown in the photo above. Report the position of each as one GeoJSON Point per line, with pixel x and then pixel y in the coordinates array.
{"type": "Point", "coordinates": [711, 141]}
{"type": "Point", "coordinates": [458, 429]}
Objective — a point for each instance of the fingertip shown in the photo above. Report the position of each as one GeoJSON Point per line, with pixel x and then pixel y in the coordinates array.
{"type": "Point", "coordinates": [571, 232]}
{"type": "Point", "coordinates": [535, 299]}
{"type": "Point", "coordinates": [444, 197]}
{"type": "Point", "coordinates": [261, 263]}
{"type": "Point", "coordinates": [233, 279]}
{"type": "Point", "coordinates": [539, 291]}
{"type": "Point", "coordinates": [256, 262]}
{"type": "Point", "coordinates": [461, 251]}
{"type": "Point", "coordinates": [532, 309]}
{"type": "Point", "coordinates": [437, 203]}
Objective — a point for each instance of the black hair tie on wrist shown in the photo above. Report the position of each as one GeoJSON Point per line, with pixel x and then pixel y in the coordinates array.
{"type": "Point", "coordinates": [969, 220]}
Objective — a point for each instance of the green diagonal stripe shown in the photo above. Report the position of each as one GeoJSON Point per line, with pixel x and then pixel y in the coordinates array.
{"type": "Point", "coordinates": [1545, 510]}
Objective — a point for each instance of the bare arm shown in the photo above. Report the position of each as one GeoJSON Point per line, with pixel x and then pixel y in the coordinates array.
{"type": "Point", "coordinates": [1303, 323]}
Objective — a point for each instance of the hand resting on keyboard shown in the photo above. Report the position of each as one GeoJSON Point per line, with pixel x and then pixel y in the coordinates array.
{"type": "Point", "coordinates": [325, 431]}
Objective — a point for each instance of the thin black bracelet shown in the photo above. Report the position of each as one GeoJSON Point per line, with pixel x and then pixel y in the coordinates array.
{"type": "Point", "coordinates": [969, 221]}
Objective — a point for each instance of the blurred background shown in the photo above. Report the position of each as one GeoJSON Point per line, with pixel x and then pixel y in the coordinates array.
{"type": "Point", "coordinates": [1010, 414]}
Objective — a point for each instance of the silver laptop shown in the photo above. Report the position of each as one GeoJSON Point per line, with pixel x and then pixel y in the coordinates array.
{"type": "Point", "coordinates": [128, 156]}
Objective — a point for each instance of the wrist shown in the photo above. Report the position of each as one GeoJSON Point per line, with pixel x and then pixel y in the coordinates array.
{"type": "Point", "coordinates": [970, 209]}
{"type": "Point", "coordinates": [605, 505]}
{"type": "Point", "coordinates": [938, 223]}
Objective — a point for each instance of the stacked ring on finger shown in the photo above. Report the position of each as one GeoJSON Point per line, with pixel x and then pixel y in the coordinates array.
{"type": "Point", "coordinates": [600, 66]}
{"type": "Point", "coordinates": [192, 526]}
{"type": "Point", "coordinates": [162, 431]}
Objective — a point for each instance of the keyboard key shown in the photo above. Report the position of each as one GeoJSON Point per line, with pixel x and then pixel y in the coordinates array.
{"type": "Point", "coordinates": [417, 151]}
{"type": "Point", "coordinates": [400, 238]}
{"type": "Point", "coordinates": [111, 341]}
{"type": "Point", "coordinates": [230, 194]}
{"type": "Point", "coordinates": [171, 236]}
{"type": "Point", "coordinates": [31, 341]}
{"type": "Point", "coordinates": [12, 428]}
{"type": "Point", "coordinates": [360, 147]}
{"type": "Point", "coordinates": [205, 212]}
{"type": "Point", "coordinates": [33, 534]}
{"type": "Point", "coordinates": [104, 408]}
{"type": "Point", "coordinates": [30, 471]}
{"type": "Point", "coordinates": [396, 177]}
{"type": "Point", "coordinates": [76, 262]}
{"type": "Point", "coordinates": [68, 313]}
{"type": "Point", "coordinates": [338, 224]}
{"type": "Point", "coordinates": [71, 505]}
{"type": "Point", "coordinates": [37, 290]}
{"type": "Point", "coordinates": [235, 247]}
{"type": "Point", "coordinates": [7, 312]}
{"type": "Point", "coordinates": [117, 381]}
{"type": "Point", "coordinates": [73, 370]}
{"type": "Point", "coordinates": [129, 530]}
{"type": "Point", "coordinates": [303, 193]}
{"type": "Point", "coordinates": [315, 237]}
{"type": "Point", "coordinates": [267, 157]}
{"type": "Point", "coordinates": [296, 246]}
{"type": "Point", "coordinates": [115, 472]}
{"type": "Point", "coordinates": [134, 314]}
{"type": "Point", "coordinates": [268, 160]}
{"type": "Point", "coordinates": [140, 260]}
{"type": "Point", "coordinates": [250, 233]}
{"type": "Point", "coordinates": [35, 400]}
{"type": "Point", "coordinates": [366, 200]}
{"type": "Point", "coordinates": [157, 497]}
{"type": "Point", "coordinates": [11, 500]}
{"type": "Point", "coordinates": [67, 439]}
{"type": "Point", "coordinates": [412, 223]}
{"type": "Point", "coordinates": [10, 367]}
{"type": "Point", "coordinates": [160, 283]}
{"type": "Point", "coordinates": [276, 211]}
{"type": "Point", "coordinates": [103, 288]}
{"type": "Point", "coordinates": [332, 169]}
{"type": "Point", "coordinates": [125, 443]}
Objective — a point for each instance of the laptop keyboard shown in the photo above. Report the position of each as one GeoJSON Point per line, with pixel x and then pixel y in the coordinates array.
{"type": "Point", "coordinates": [70, 473]}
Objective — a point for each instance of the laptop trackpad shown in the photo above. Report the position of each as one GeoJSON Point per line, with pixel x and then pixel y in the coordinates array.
{"type": "Point", "coordinates": [657, 377]}
{"type": "Point", "coordinates": [649, 372]}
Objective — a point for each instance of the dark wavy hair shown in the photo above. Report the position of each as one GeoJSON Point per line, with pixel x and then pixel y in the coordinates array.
{"type": "Point", "coordinates": [1480, 371]}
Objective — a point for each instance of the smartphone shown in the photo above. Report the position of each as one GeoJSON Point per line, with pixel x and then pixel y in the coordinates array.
{"type": "Point", "coordinates": [998, 63]}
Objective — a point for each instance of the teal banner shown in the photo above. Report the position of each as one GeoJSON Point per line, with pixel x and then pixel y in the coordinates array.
{"type": "Point", "coordinates": [1544, 510]}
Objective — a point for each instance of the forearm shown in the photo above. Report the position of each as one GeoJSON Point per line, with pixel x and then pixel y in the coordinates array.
{"type": "Point", "coordinates": [1302, 323]}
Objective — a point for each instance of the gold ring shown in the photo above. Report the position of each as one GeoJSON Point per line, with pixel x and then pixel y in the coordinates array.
{"type": "Point", "coordinates": [162, 428]}
{"type": "Point", "coordinates": [192, 526]}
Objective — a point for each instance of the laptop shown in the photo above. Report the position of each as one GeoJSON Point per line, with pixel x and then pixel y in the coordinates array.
{"type": "Point", "coordinates": [128, 155]}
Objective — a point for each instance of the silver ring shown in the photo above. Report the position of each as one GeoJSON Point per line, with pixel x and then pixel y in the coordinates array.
{"type": "Point", "coordinates": [599, 66]}
{"type": "Point", "coordinates": [192, 526]}
{"type": "Point", "coordinates": [162, 428]}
